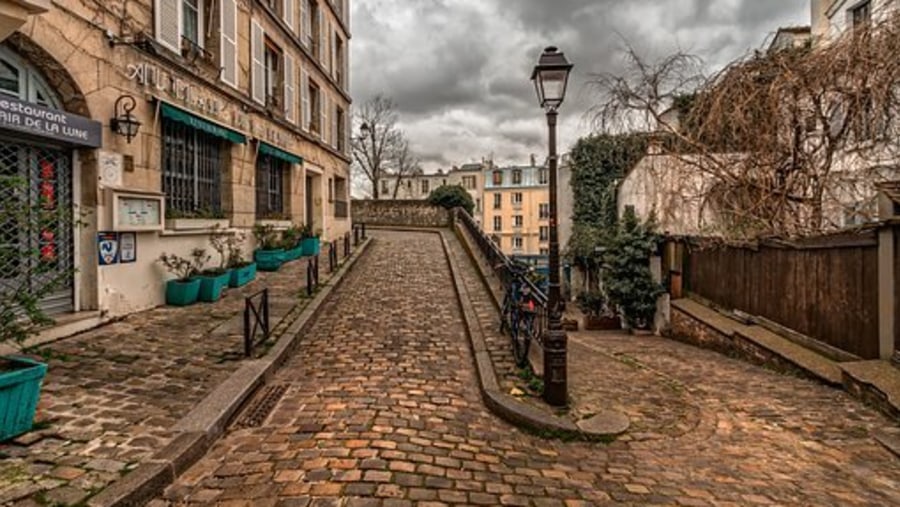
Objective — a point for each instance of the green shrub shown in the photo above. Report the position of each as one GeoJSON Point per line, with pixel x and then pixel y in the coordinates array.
{"type": "Point", "coordinates": [452, 196]}
{"type": "Point", "coordinates": [626, 272]}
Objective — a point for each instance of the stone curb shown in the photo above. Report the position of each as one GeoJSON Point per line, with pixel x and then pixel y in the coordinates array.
{"type": "Point", "coordinates": [502, 404]}
{"type": "Point", "coordinates": [207, 421]}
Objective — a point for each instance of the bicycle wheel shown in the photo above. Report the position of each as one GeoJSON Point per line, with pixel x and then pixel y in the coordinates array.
{"type": "Point", "coordinates": [521, 339]}
{"type": "Point", "coordinates": [524, 335]}
{"type": "Point", "coordinates": [505, 313]}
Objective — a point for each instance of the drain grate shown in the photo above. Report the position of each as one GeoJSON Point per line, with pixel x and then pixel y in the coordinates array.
{"type": "Point", "coordinates": [261, 407]}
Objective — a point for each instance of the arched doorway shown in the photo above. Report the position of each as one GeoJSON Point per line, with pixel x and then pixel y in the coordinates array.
{"type": "Point", "coordinates": [36, 243]}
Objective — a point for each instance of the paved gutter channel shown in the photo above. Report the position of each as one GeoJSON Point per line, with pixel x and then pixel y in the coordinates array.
{"type": "Point", "coordinates": [200, 428]}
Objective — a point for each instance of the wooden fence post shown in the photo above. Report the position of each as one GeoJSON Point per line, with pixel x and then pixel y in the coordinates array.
{"type": "Point", "coordinates": [888, 340]}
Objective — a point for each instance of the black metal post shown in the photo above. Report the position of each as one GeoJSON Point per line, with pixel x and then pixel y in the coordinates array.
{"type": "Point", "coordinates": [347, 245]}
{"type": "Point", "coordinates": [355, 235]}
{"type": "Point", "coordinates": [555, 341]}
{"type": "Point", "coordinates": [248, 343]}
{"type": "Point", "coordinates": [265, 309]}
{"type": "Point", "coordinates": [363, 230]}
{"type": "Point", "coordinates": [309, 276]}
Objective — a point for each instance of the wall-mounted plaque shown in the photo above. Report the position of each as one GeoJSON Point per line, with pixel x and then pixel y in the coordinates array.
{"type": "Point", "coordinates": [138, 212]}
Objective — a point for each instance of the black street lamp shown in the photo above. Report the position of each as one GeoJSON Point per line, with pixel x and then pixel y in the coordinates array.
{"type": "Point", "coordinates": [551, 76]}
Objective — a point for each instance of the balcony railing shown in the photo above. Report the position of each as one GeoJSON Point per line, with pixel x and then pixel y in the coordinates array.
{"type": "Point", "coordinates": [341, 209]}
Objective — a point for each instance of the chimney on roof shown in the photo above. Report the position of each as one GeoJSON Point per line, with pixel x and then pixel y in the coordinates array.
{"type": "Point", "coordinates": [533, 162]}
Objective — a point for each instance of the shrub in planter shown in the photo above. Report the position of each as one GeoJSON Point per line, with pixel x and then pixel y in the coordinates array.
{"type": "Point", "coordinates": [269, 255]}
{"type": "Point", "coordinates": [310, 242]}
{"type": "Point", "coordinates": [599, 315]}
{"type": "Point", "coordinates": [291, 242]}
{"type": "Point", "coordinates": [626, 272]}
{"type": "Point", "coordinates": [242, 270]}
{"type": "Point", "coordinates": [21, 315]}
{"type": "Point", "coordinates": [185, 288]}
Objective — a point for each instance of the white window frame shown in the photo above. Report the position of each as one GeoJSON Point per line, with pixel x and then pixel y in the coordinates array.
{"type": "Point", "coordinates": [229, 40]}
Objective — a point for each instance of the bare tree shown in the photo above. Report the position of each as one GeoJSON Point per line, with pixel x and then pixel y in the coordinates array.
{"type": "Point", "coordinates": [787, 142]}
{"type": "Point", "coordinates": [375, 149]}
{"type": "Point", "coordinates": [405, 164]}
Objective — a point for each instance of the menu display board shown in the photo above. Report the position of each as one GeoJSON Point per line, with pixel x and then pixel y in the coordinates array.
{"type": "Point", "coordinates": [138, 212]}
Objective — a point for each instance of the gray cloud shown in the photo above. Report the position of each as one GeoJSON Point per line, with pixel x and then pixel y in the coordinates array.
{"type": "Point", "coordinates": [459, 70]}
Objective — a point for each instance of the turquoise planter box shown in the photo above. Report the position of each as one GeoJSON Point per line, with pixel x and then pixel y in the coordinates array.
{"type": "Point", "coordinates": [242, 276]}
{"type": "Point", "coordinates": [268, 260]}
{"type": "Point", "coordinates": [180, 293]}
{"type": "Point", "coordinates": [294, 253]}
{"type": "Point", "coordinates": [311, 246]}
{"type": "Point", "coordinates": [19, 392]}
{"type": "Point", "coordinates": [211, 286]}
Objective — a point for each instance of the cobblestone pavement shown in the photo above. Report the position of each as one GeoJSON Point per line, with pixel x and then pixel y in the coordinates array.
{"type": "Point", "coordinates": [112, 394]}
{"type": "Point", "coordinates": [380, 407]}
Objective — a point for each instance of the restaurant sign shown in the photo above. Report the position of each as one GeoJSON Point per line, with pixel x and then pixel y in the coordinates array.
{"type": "Point", "coordinates": [49, 123]}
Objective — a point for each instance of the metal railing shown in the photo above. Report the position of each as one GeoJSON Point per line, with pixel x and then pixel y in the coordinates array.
{"type": "Point", "coordinates": [256, 317]}
{"type": "Point", "coordinates": [503, 268]}
{"type": "Point", "coordinates": [332, 256]}
{"type": "Point", "coordinates": [312, 275]}
{"type": "Point", "coordinates": [347, 244]}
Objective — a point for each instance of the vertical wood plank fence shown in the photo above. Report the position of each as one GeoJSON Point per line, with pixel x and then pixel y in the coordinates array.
{"type": "Point", "coordinates": [825, 288]}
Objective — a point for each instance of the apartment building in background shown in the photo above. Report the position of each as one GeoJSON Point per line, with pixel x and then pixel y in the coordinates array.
{"type": "Point", "coordinates": [420, 185]}
{"type": "Point", "coordinates": [517, 211]}
{"type": "Point", "coordinates": [162, 119]}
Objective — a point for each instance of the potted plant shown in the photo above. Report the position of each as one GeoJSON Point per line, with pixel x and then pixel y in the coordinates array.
{"type": "Point", "coordinates": [184, 289]}
{"type": "Point", "coordinates": [598, 314]}
{"type": "Point", "coordinates": [21, 315]}
{"type": "Point", "coordinates": [290, 242]}
{"type": "Point", "coordinates": [213, 281]}
{"type": "Point", "coordinates": [269, 254]}
{"type": "Point", "coordinates": [310, 241]}
{"type": "Point", "coordinates": [242, 270]}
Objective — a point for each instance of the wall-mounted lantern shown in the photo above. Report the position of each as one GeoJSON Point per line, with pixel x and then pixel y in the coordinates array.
{"type": "Point", "coordinates": [124, 123]}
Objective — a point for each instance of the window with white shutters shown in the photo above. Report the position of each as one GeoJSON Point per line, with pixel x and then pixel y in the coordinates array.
{"type": "Point", "coordinates": [304, 99]}
{"type": "Point", "coordinates": [228, 45]}
{"type": "Point", "coordinates": [287, 13]}
{"type": "Point", "coordinates": [258, 67]}
{"type": "Point", "coordinates": [320, 36]}
{"type": "Point", "coordinates": [168, 23]}
{"type": "Point", "coordinates": [289, 89]}
{"type": "Point", "coordinates": [335, 137]}
{"type": "Point", "coordinates": [334, 57]}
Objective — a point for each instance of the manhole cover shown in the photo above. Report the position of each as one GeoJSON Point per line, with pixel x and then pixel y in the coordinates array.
{"type": "Point", "coordinates": [262, 406]}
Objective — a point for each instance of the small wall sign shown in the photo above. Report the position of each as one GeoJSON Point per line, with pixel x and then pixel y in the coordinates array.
{"type": "Point", "coordinates": [127, 247]}
{"type": "Point", "coordinates": [108, 248]}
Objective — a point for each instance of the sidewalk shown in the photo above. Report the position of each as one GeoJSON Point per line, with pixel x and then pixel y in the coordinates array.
{"type": "Point", "coordinates": [113, 394]}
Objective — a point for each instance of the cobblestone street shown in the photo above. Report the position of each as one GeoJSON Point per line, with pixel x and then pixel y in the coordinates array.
{"type": "Point", "coordinates": [379, 406]}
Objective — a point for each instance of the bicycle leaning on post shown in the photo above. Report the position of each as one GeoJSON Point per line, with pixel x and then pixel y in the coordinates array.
{"type": "Point", "coordinates": [518, 312]}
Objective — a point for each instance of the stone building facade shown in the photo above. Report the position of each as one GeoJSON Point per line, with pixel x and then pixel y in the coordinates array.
{"type": "Point", "coordinates": [243, 110]}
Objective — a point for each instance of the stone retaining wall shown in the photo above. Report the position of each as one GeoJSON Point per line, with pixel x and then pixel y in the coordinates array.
{"type": "Point", "coordinates": [399, 213]}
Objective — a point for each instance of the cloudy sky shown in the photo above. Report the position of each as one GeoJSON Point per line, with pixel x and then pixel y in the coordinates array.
{"type": "Point", "coordinates": [459, 70]}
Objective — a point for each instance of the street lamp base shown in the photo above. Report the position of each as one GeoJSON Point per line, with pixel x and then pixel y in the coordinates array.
{"type": "Point", "coordinates": [555, 368]}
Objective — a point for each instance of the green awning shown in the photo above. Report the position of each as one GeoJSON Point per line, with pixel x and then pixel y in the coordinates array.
{"type": "Point", "coordinates": [276, 152]}
{"type": "Point", "coordinates": [180, 115]}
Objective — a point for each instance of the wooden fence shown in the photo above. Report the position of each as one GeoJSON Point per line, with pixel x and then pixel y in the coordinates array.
{"type": "Point", "coordinates": [826, 289]}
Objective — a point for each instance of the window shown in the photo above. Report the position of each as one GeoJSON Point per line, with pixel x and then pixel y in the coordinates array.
{"type": "Point", "coordinates": [543, 176]}
{"type": "Point", "coordinates": [272, 75]}
{"type": "Point", "coordinates": [385, 189]}
{"type": "Point", "coordinates": [192, 21]}
{"type": "Point", "coordinates": [498, 178]}
{"type": "Point", "coordinates": [517, 199]}
{"type": "Point", "coordinates": [341, 132]}
{"type": "Point", "coordinates": [330, 189]}
{"type": "Point", "coordinates": [478, 205]}
{"type": "Point", "coordinates": [544, 211]}
{"type": "Point", "coordinates": [313, 17]}
{"type": "Point", "coordinates": [517, 177]}
{"type": "Point", "coordinates": [19, 81]}
{"type": "Point", "coordinates": [545, 252]}
{"type": "Point", "coordinates": [179, 24]}
{"type": "Point", "coordinates": [469, 182]}
{"type": "Point", "coordinates": [192, 161]}
{"type": "Point", "coordinates": [861, 15]}
{"type": "Point", "coordinates": [315, 108]}
{"type": "Point", "coordinates": [498, 223]}
{"type": "Point", "coordinates": [498, 201]}
{"type": "Point", "coordinates": [517, 221]}
{"type": "Point", "coordinates": [339, 60]}
{"type": "Point", "coordinates": [544, 233]}
{"type": "Point", "coordinates": [425, 186]}
{"type": "Point", "coordinates": [517, 243]}
{"type": "Point", "coordinates": [270, 178]}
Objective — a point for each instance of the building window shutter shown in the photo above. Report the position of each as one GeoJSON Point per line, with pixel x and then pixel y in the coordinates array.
{"type": "Point", "coordinates": [334, 60]}
{"type": "Point", "coordinates": [304, 21]}
{"type": "Point", "coordinates": [323, 109]}
{"type": "Point", "coordinates": [289, 89]}
{"type": "Point", "coordinates": [228, 44]}
{"type": "Point", "coordinates": [258, 66]}
{"type": "Point", "coordinates": [322, 39]}
{"type": "Point", "coordinates": [168, 23]}
{"type": "Point", "coordinates": [304, 94]}
{"type": "Point", "coordinates": [334, 124]}
{"type": "Point", "coordinates": [288, 14]}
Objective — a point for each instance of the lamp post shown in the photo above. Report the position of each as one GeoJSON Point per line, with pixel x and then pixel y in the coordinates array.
{"type": "Point", "coordinates": [551, 76]}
